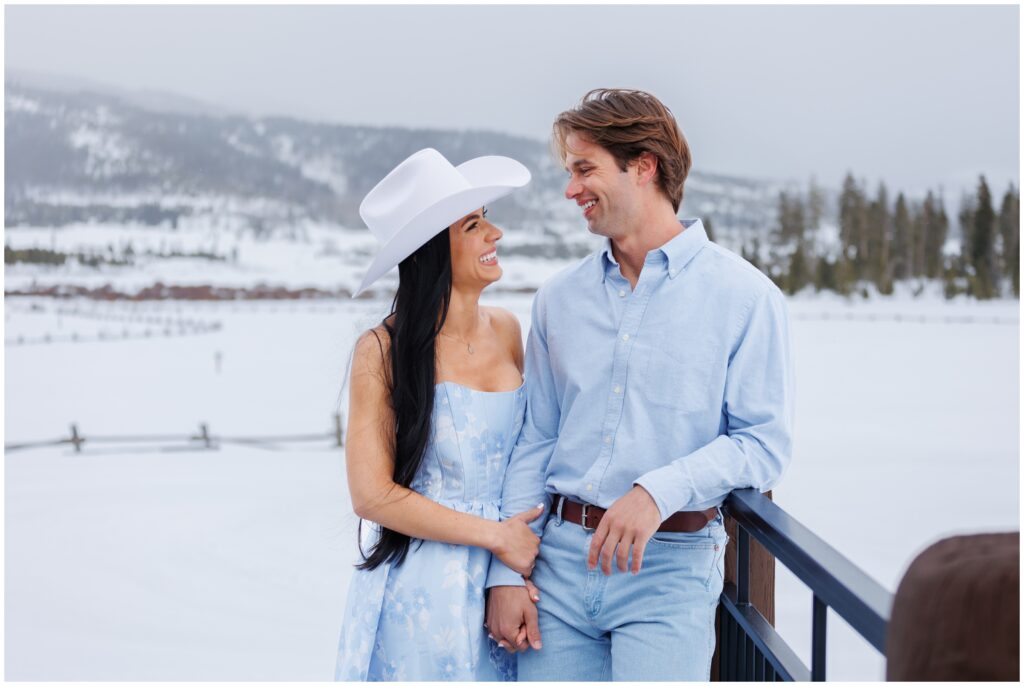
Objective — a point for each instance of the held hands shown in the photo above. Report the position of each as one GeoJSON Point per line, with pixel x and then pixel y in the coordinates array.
{"type": "Point", "coordinates": [515, 544]}
{"type": "Point", "coordinates": [521, 637]}
{"type": "Point", "coordinates": [630, 521]}
{"type": "Point", "coordinates": [511, 618]}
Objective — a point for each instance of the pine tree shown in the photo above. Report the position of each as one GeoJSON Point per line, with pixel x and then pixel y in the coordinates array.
{"type": "Point", "coordinates": [815, 206]}
{"type": "Point", "coordinates": [846, 275]}
{"type": "Point", "coordinates": [949, 281]}
{"type": "Point", "coordinates": [788, 240]}
{"type": "Point", "coordinates": [924, 221]}
{"type": "Point", "coordinates": [965, 219]}
{"type": "Point", "coordinates": [852, 222]}
{"type": "Point", "coordinates": [879, 242]}
{"type": "Point", "coordinates": [1009, 232]}
{"type": "Point", "coordinates": [935, 236]}
{"type": "Point", "coordinates": [923, 236]}
{"type": "Point", "coordinates": [982, 244]}
{"type": "Point", "coordinates": [825, 276]}
{"type": "Point", "coordinates": [815, 213]}
{"type": "Point", "coordinates": [902, 241]}
{"type": "Point", "coordinates": [917, 229]}
{"type": "Point", "coordinates": [792, 221]}
{"type": "Point", "coordinates": [798, 275]}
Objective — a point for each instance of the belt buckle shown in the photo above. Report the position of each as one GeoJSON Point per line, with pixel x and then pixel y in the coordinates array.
{"type": "Point", "coordinates": [583, 519]}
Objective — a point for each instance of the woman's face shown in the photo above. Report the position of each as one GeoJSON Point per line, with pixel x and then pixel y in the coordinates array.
{"type": "Point", "coordinates": [474, 251]}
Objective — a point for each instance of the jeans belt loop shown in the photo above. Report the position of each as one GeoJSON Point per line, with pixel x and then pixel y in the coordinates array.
{"type": "Point", "coordinates": [558, 511]}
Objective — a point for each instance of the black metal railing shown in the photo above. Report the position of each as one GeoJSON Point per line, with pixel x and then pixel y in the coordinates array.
{"type": "Point", "coordinates": [750, 648]}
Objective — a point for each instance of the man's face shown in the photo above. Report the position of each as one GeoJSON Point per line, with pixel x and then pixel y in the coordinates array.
{"type": "Point", "coordinates": [607, 196]}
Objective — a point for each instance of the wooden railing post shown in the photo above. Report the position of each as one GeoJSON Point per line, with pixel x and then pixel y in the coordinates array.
{"type": "Point", "coordinates": [761, 582]}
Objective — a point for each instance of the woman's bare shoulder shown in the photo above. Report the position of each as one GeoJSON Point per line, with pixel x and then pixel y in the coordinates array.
{"type": "Point", "coordinates": [507, 326]}
{"type": "Point", "coordinates": [505, 322]}
{"type": "Point", "coordinates": [371, 350]}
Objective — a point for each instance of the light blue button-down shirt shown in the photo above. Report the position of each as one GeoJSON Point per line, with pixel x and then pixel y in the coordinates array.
{"type": "Point", "coordinates": [683, 385]}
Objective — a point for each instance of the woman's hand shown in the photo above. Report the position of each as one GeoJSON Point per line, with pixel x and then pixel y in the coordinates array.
{"type": "Point", "coordinates": [533, 591]}
{"type": "Point", "coordinates": [515, 544]}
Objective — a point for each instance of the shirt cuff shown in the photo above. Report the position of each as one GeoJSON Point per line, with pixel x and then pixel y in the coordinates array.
{"type": "Point", "coordinates": [500, 574]}
{"type": "Point", "coordinates": [668, 477]}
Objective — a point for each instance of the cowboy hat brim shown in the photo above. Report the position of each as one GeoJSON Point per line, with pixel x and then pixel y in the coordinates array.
{"type": "Point", "coordinates": [491, 177]}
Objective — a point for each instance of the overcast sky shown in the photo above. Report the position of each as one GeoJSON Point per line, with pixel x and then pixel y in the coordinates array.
{"type": "Point", "coordinates": [918, 96]}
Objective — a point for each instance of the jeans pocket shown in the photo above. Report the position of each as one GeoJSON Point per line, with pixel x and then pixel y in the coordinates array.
{"type": "Point", "coordinates": [696, 540]}
{"type": "Point", "coordinates": [697, 554]}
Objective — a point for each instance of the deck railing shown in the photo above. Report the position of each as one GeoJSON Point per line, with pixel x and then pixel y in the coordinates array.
{"type": "Point", "coordinates": [750, 648]}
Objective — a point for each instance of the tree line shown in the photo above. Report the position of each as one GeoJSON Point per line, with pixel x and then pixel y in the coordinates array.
{"type": "Point", "coordinates": [881, 241]}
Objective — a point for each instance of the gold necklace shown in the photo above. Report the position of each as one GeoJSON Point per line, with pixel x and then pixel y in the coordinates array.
{"type": "Point", "coordinates": [469, 346]}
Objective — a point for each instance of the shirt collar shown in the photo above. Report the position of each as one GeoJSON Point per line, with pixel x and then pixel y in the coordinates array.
{"type": "Point", "coordinates": [677, 252]}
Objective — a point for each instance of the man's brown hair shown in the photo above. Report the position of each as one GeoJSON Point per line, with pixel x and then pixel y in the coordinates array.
{"type": "Point", "coordinates": [627, 123]}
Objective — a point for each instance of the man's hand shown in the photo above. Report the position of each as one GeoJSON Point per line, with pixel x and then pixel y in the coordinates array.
{"type": "Point", "coordinates": [630, 521]}
{"type": "Point", "coordinates": [510, 608]}
{"type": "Point", "coordinates": [515, 544]}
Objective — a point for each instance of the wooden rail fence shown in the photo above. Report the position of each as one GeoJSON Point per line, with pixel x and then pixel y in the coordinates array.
{"type": "Point", "coordinates": [202, 439]}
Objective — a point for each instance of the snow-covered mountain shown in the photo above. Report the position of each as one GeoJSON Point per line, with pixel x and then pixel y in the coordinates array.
{"type": "Point", "coordinates": [83, 155]}
{"type": "Point", "coordinates": [115, 193]}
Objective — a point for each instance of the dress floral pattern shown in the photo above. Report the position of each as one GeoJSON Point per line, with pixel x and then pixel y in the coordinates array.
{"type": "Point", "coordinates": [423, 620]}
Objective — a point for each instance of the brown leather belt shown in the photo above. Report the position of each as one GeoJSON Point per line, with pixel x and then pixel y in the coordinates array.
{"type": "Point", "coordinates": [589, 516]}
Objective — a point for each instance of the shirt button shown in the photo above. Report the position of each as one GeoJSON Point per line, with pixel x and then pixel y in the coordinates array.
{"type": "Point", "coordinates": [590, 487]}
{"type": "Point", "coordinates": [607, 439]}
{"type": "Point", "coordinates": [622, 294]}
{"type": "Point", "coordinates": [625, 336]}
{"type": "Point", "coordinates": [618, 388]}
{"type": "Point", "coordinates": [671, 272]}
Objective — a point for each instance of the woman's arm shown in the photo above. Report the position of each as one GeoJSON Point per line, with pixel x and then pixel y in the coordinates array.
{"type": "Point", "coordinates": [370, 465]}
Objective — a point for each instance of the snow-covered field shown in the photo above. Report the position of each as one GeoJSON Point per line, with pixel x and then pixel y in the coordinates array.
{"type": "Point", "coordinates": [156, 562]}
{"type": "Point", "coordinates": [304, 254]}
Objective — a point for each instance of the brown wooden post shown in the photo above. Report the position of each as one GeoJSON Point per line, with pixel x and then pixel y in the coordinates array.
{"type": "Point", "coordinates": [762, 582]}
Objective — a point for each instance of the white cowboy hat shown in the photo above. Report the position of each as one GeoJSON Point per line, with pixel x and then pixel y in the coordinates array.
{"type": "Point", "coordinates": [424, 195]}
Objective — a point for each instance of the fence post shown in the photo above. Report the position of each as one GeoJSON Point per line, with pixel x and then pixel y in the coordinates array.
{"type": "Point", "coordinates": [75, 439]}
{"type": "Point", "coordinates": [204, 434]}
{"type": "Point", "coordinates": [339, 433]}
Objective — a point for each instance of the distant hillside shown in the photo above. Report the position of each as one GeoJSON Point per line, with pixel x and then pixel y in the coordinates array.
{"type": "Point", "coordinates": [87, 156]}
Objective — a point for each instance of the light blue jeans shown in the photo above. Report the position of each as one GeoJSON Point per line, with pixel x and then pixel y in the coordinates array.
{"type": "Point", "coordinates": [658, 625]}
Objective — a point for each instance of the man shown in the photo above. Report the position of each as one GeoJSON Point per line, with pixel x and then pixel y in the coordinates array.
{"type": "Point", "coordinates": [658, 380]}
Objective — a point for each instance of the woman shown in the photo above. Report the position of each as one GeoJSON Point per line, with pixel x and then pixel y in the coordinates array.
{"type": "Point", "coordinates": [436, 404]}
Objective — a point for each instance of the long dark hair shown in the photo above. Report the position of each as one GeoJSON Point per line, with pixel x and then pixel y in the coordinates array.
{"type": "Point", "coordinates": [417, 314]}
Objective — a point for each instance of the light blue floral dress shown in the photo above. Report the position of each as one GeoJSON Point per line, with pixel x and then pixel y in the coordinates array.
{"type": "Point", "coordinates": [423, 620]}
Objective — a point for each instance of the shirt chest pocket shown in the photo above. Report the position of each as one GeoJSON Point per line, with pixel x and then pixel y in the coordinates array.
{"type": "Point", "coordinates": [680, 373]}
